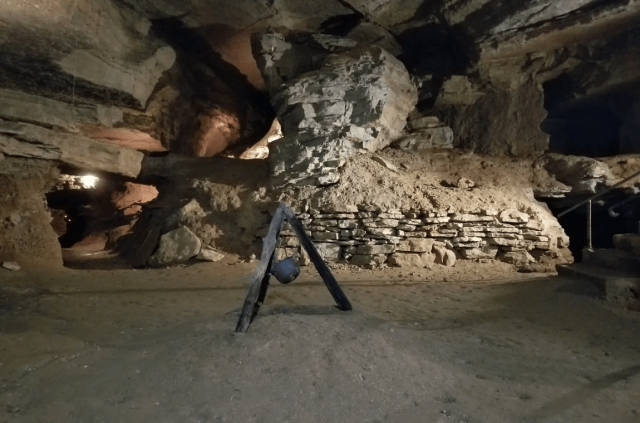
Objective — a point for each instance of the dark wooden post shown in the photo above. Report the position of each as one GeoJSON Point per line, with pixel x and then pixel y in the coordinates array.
{"type": "Point", "coordinates": [260, 282]}
{"type": "Point", "coordinates": [318, 262]}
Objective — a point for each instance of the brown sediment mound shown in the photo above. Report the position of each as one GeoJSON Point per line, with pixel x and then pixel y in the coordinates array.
{"type": "Point", "coordinates": [436, 180]}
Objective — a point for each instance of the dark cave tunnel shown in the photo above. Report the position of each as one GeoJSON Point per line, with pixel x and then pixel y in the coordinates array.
{"type": "Point", "coordinates": [598, 126]}
{"type": "Point", "coordinates": [76, 223]}
{"type": "Point", "coordinates": [603, 223]}
{"type": "Point", "coordinates": [601, 125]}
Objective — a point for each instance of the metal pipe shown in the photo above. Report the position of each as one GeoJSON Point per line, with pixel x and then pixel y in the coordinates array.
{"type": "Point", "coordinates": [589, 239]}
{"type": "Point", "coordinates": [593, 197]}
{"type": "Point", "coordinates": [615, 214]}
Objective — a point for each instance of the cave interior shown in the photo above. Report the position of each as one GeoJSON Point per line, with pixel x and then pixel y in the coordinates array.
{"type": "Point", "coordinates": [477, 152]}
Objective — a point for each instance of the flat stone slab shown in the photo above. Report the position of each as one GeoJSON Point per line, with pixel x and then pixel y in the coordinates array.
{"type": "Point", "coordinates": [620, 289]}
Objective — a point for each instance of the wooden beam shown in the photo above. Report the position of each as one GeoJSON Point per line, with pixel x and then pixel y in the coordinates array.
{"type": "Point", "coordinates": [258, 288]}
{"type": "Point", "coordinates": [260, 281]}
{"type": "Point", "coordinates": [322, 268]}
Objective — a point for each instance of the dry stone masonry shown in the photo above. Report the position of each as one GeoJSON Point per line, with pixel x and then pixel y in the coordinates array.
{"type": "Point", "coordinates": [418, 238]}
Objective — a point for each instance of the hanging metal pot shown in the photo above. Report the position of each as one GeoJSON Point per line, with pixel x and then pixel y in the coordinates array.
{"type": "Point", "coordinates": [287, 270]}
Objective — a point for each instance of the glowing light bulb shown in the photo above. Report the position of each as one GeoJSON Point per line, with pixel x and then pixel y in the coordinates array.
{"type": "Point", "coordinates": [89, 181]}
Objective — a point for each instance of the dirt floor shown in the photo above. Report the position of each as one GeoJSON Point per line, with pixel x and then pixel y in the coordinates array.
{"type": "Point", "coordinates": [437, 345]}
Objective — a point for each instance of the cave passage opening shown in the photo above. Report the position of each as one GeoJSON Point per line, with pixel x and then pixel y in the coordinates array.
{"type": "Point", "coordinates": [601, 124]}
{"type": "Point", "coordinates": [93, 215]}
{"type": "Point", "coordinates": [615, 213]}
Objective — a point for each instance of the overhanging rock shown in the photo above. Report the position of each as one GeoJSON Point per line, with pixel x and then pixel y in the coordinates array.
{"type": "Point", "coordinates": [26, 140]}
{"type": "Point", "coordinates": [333, 99]}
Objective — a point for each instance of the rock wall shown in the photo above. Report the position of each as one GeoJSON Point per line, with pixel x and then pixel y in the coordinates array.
{"type": "Point", "coordinates": [333, 100]}
{"type": "Point", "coordinates": [417, 238]}
{"type": "Point", "coordinates": [416, 208]}
{"type": "Point", "coordinates": [26, 234]}
{"type": "Point", "coordinates": [101, 72]}
{"type": "Point", "coordinates": [502, 121]}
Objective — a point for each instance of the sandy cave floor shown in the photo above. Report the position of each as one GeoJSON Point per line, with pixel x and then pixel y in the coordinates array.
{"type": "Point", "coordinates": [158, 346]}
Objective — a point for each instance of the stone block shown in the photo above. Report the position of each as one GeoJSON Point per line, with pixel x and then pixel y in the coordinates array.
{"type": "Point", "coordinates": [488, 252]}
{"type": "Point", "coordinates": [432, 220]}
{"type": "Point", "coordinates": [504, 242]}
{"type": "Point", "coordinates": [444, 256]}
{"type": "Point", "coordinates": [427, 138]}
{"type": "Point", "coordinates": [533, 225]}
{"type": "Point", "coordinates": [348, 224]}
{"type": "Point", "coordinates": [376, 249]}
{"type": "Point", "coordinates": [324, 236]}
{"type": "Point", "coordinates": [365, 260]}
{"type": "Point", "coordinates": [418, 260]}
{"type": "Point", "coordinates": [465, 239]}
{"type": "Point", "coordinates": [518, 258]}
{"type": "Point", "coordinates": [443, 233]}
{"type": "Point", "coordinates": [465, 218]}
{"type": "Point", "coordinates": [424, 123]}
{"type": "Point", "coordinates": [329, 252]}
{"type": "Point", "coordinates": [381, 232]}
{"type": "Point", "coordinates": [176, 246]}
{"type": "Point", "coordinates": [513, 216]}
{"type": "Point", "coordinates": [417, 245]}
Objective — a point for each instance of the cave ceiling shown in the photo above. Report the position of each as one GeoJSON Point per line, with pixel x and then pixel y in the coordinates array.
{"type": "Point", "coordinates": [488, 28]}
{"type": "Point", "coordinates": [163, 75]}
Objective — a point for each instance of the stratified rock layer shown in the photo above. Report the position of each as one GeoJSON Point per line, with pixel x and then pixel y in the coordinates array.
{"type": "Point", "coordinates": [331, 105]}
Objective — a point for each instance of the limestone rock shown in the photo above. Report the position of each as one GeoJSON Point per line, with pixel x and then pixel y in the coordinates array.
{"type": "Point", "coordinates": [367, 33]}
{"type": "Point", "coordinates": [457, 89]}
{"type": "Point", "coordinates": [26, 140]}
{"type": "Point", "coordinates": [513, 216]}
{"type": "Point", "coordinates": [583, 174]}
{"type": "Point", "coordinates": [467, 218]}
{"type": "Point", "coordinates": [417, 245]}
{"type": "Point", "coordinates": [25, 230]}
{"type": "Point", "coordinates": [209, 254]}
{"type": "Point", "coordinates": [518, 258]}
{"type": "Point", "coordinates": [10, 265]}
{"type": "Point", "coordinates": [371, 259]}
{"type": "Point", "coordinates": [384, 163]}
{"type": "Point", "coordinates": [425, 139]}
{"type": "Point", "coordinates": [16, 105]}
{"type": "Point", "coordinates": [487, 252]}
{"type": "Point", "coordinates": [376, 249]}
{"type": "Point", "coordinates": [329, 252]}
{"type": "Point", "coordinates": [444, 256]}
{"type": "Point", "coordinates": [176, 246]}
{"type": "Point", "coordinates": [103, 49]}
{"type": "Point", "coordinates": [304, 259]}
{"type": "Point", "coordinates": [356, 100]}
{"type": "Point", "coordinates": [464, 183]}
{"type": "Point", "coordinates": [412, 259]}
{"type": "Point", "coordinates": [425, 123]}
{"type": "Point", "coordinates": [510, 120]}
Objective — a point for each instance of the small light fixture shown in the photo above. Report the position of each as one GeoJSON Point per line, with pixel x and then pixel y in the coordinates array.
{"type": "Point", "coordinates": [89, 181]}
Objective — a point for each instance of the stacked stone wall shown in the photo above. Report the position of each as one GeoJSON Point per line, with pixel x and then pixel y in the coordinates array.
{"type": "Point", "coordinates": [421, 238]}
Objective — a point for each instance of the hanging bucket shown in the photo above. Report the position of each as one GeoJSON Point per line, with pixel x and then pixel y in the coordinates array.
{"type": "Point", "coordinates": [287, 270]}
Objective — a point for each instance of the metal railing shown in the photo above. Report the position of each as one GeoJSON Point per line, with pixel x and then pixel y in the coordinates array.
{"type": "Point", "coordinates": [589, 201]}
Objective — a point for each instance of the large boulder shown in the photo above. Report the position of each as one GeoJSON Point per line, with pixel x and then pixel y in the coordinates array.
{"type": "Point", "coordinates": [176, 247]}
{"type": "Point", "coordinates": [333, 100]}
{"type": "Point", "coordinates": [582, 174]}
